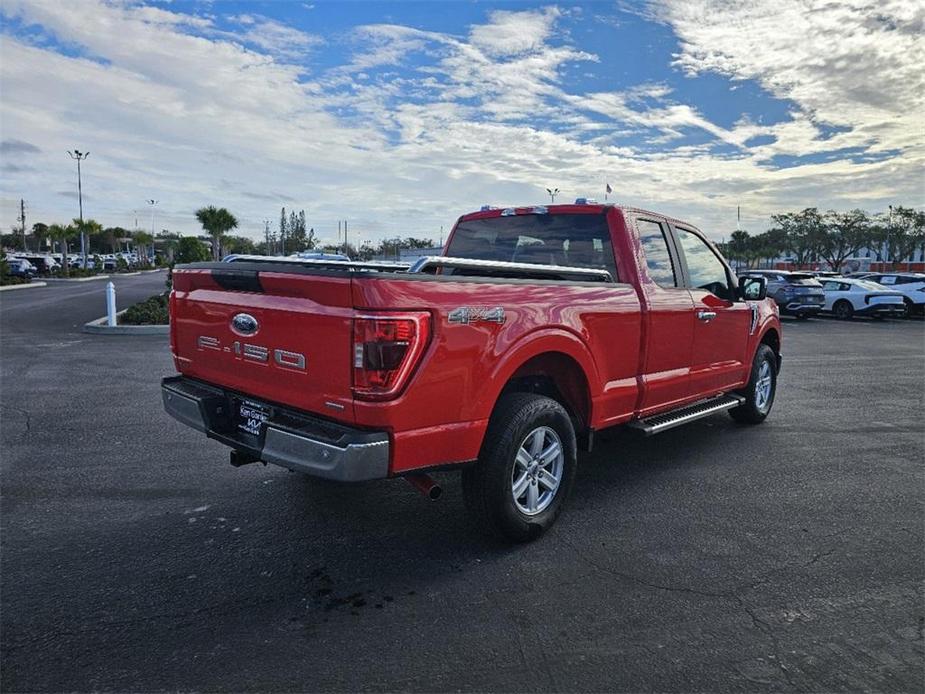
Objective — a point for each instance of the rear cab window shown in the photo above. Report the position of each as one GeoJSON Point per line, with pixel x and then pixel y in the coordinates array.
{"type": "Point", "coordinates": [571, 240]}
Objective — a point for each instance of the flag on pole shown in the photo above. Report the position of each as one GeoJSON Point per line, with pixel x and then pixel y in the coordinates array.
{"type": "Point", "coordinates": [608, 189]}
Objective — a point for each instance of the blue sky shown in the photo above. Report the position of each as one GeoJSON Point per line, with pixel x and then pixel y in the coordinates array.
{"type": "Point", "coordinates": [401, 116]}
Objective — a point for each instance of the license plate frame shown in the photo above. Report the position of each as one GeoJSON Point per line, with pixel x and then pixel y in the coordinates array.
{"type": "Point", "coordinates": [250, 417]}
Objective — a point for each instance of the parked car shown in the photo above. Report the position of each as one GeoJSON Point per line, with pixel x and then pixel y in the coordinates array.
{"type": "Point", "coordinates": [845, 298]}
{"type": "Point", "coordinates": [20, 267]}
{"type": "Point", "coordinates": [77, 261]}
{"type": "Point", "coordinates": [910, 284]}
{"type": "Point", "coordinates": [539, 327]}
{"type": "Point", "coordinates": [796, 293]}
{"type": "Point", "coordinates": [43, 264]}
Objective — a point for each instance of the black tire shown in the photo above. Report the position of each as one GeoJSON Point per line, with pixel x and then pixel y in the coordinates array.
{"type": "Point", "coordinates": [754, 410]}
{"type": "Point", "coordinates": [843, 310]}
{"type": "Point", "coordinates": [487, 485]}
{"type": "Point", "coordinates": [910, 308]}
{"type": "Point", "coordinates": [802, 316]}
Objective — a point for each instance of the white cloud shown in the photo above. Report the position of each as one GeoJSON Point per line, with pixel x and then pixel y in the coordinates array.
{"type": "Point", "coordinates": [850, 63]}
{"type": "Point", "coordinates": [416, 126]}
{"type": "Point", "coordinates": [514, 33]}
{"type": "Point", "coordinates": [274, 38]}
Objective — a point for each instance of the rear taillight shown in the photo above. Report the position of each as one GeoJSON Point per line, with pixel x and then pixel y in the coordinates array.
{"type": "Point", "coordinates": [386, 349]}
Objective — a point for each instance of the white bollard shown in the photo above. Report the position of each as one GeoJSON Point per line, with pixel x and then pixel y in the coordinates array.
{"type": "Point", "coordinates": [110, 304]}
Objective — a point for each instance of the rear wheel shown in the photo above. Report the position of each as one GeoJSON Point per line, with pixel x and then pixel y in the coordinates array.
{"type": "Point", "coordinates": [525, 470]}
{"type": "Point", "coordinates": [761, 388]}
{"type": "Point", "coordinates": [843, 310]}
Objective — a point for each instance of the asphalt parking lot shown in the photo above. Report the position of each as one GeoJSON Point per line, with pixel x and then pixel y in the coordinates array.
{"type": "Point", "coordinates": [714, 557]}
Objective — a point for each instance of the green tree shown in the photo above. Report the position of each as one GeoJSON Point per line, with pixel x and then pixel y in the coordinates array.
{"type": "Point", "coordinates": [902, 233]}
{"type": "Point", "coordinates": [143, 239]}
{"type": "Point", "coordinates": [803, 231]}
{"type": "Point", "coordinates": [298, 238]}
{"type": "Point", "coordinates": [412, 242]}
{"type": "Point", "coordinates": [191, 250]}
{"type": "Point", "coordinates": [88, 229]}
{"type": "Point", "coordinates": [39, 234]}
{"type": "Point", "coordinates": [844, 234]}
{"type": "Point", "coordinates": [216, 221]}
{"type": "Point", "coordinates": [61, 234]}
{"type": "Point", "coordinates": [738, 246]}
{"type": "Point", "coordinates": [239, 244]}
{"type": "Point", "coordinates": [111, 238]}
{"type": "Point", "coordinates": [168, 241]}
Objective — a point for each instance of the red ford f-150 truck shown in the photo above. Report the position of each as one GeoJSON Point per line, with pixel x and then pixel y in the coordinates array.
{"type": "Point", "coordinates": [537, 327]}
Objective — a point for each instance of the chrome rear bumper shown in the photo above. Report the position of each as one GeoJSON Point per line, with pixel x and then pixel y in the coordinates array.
{"type": "Point", "coordinates": [292, 439]}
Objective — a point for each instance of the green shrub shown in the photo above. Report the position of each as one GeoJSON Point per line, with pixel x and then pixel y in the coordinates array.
{"type": "Point", "coordinates": [151, 311]}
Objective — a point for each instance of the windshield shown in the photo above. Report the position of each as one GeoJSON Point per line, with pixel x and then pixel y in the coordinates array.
{"type": "Point", "coordinates": [573, 240]}
{"type": "Point", "coordinates": [870, 286]}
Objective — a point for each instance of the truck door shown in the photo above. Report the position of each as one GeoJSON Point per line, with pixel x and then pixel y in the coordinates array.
{"type": "Point", "coordinates": [668, 328]}
{"type": "Point", "coordinates": [721, 322]}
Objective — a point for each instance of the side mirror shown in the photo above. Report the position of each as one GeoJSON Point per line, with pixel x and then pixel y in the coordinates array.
{"type": "Point", "coordinates": [753, 288]}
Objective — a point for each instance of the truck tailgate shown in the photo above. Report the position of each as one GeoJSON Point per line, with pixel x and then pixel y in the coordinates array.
{"type": "Point", "coordinates": [281, 337]}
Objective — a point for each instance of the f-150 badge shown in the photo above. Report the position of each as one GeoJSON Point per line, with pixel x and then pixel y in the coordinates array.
{"type": "Point", "coordinates": [475, 314]}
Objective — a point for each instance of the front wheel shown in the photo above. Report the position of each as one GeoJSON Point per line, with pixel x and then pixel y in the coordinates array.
{"type": "Point", "coordinates": [761, 388]}
{"type": "Point", "coordinates": [525, 469]}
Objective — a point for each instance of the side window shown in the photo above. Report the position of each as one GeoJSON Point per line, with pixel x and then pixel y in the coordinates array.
{"type": "Point", "coordinates": [831, 287]}
{"type": "Point", "coordinates": [658, 258]}
{"type": "Point", "coordinates": [887, 279]}
{"type": "Point", "coordinates": [705, 268]}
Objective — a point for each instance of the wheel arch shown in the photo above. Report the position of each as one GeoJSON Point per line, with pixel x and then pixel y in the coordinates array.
{"type": "Point", "coordinates": [557, 366]}
{"type": "Point", "coordinates": [771, 338]}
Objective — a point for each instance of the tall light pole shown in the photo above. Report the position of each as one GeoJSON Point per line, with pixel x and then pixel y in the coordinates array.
{"type": "Point", "coordinates": [553, 192]}
{"type": "Point", "coordinates": [22, 220]}
{"type": "Point", "coordinates": [153, 204]}
{"type": "Point", "coordinates": [79, 156]}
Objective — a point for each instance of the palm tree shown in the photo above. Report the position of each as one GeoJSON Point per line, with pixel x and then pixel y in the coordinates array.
{"type": "Point", "coordinates": [87, 228]}
{"type": "Point", "coordinates": [61, 233]}
{"type": "Point", "coordinates": [216, 221]}
{"type": "Point", "coordinates": [143, 239]}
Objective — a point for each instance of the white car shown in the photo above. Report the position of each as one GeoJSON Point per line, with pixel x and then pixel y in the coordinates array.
{"type": "Point", "coordinates": [846, 297]}
{"type": "Point", "coordinates": [910, 284]}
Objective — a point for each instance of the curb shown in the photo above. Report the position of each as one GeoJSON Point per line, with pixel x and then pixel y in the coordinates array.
{"type": "Point", "coordinates": [78, 279]}
{"type": "Point", "coordinates": [103, 277]}
{"type": "Point", "coordinates": [30, 285]}
{"type": "Point", "coordinates": [99, 327]}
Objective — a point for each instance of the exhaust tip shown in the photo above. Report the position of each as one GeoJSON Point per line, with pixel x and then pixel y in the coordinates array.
{"type": "Point", "coordinates": [425, 485]}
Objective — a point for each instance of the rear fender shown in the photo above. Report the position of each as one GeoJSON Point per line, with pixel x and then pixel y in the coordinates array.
{"type": "Point", "coordinates": [540, 342]}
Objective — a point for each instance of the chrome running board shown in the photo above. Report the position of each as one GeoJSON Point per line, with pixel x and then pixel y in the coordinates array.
{"type": "Point", "coordinates": [658, 423]}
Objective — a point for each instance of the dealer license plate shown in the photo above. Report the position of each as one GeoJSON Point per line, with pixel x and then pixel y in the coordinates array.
{"type": "Point", "coordinates": [252, 416]}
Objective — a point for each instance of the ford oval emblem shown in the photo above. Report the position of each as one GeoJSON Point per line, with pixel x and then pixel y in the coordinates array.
{"type": "Point", "coordinates": [244, 324]}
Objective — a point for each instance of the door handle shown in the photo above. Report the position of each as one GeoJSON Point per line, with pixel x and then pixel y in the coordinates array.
{"type": "Point", "coordinates": [706, 316]}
